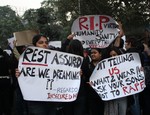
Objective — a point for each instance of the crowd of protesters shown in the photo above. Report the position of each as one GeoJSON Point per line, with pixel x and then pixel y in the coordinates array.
{"type": "Point", "coordinates": [88, 102]}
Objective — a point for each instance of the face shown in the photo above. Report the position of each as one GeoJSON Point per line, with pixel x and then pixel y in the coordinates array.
{"type": "Point", "coordinates": [42, 43]}
{"type": "Point", "coordinates": [113, 53]}
{"type": "Point", "coordinates": [95, 55]}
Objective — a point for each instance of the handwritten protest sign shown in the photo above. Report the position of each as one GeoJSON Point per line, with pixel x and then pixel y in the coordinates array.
{"type": "Point", "coordinates": [48, 75]}
{"type": "Point", "coordinates": [118, 76]}
{"type": "Point", "coordinates": [95, 31]}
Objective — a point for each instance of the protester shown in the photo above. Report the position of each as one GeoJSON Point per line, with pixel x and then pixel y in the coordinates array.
{"type": "Point", "coordinates": [116, 106]}
{"type": "Point", "coordinates": [40, 107]}
{"type": "Point", "coordinates": [77, 107]}
{"type": "Point", "coordinates": [145, 100]}
{"type": "Point", "coordinates": [19, 104]}
{"type": "Point", "coordinates": [95, 104]}
{"type": "Point", "coordinates": [133, 46]}
{"type": "Point", "coordinates": [5, 84]}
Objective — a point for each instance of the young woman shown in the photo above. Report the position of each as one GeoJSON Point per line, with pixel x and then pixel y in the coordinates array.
{"type": "Point", "coordinates": [77, 107]}
{"type": "Point", "coordinates": [40, 107]}
{"type": "Point", "coordinates": [116, 106]}
{"type": "Point", "coordinates": [132, 45]}
{"type": "Point", "coordinates": [95, 104]}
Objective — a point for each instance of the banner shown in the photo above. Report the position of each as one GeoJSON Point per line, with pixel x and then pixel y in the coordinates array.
{"type": "Point", "coordinates": [48, 75]}
{"type": "Point", "coordinates": [95, 31]}
{"type": "Point", "coordinates": [118, 76]}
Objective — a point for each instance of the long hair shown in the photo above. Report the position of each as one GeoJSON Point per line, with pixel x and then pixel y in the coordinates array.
{"type": "Point", "coordinates": [119, 51]}
{"type": "Point", "coordinates": [135, 42]}
{"type": "Point", "coordinates": [36, 38]}
{"type": "Point", "coordinates": [132, 40]}
{"type": "Point", "coordinates": [75, 47]}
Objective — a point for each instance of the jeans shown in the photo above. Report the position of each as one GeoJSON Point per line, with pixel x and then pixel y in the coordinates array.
{"type": "Point", "coordinates": [122, 105]}
{"type": "Point", "coordinates": [135, 107]}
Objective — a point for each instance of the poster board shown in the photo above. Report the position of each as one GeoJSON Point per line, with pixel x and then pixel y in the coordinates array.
{"type": "Point", "coordinates": [48, 75]}
{"type": "Point", "coordinates": [95, 31]}
{"type": "Point", "coordinates": [118, 76]}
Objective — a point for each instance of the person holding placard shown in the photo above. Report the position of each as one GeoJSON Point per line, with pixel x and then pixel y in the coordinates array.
{"type": "Point", "coordinates": [116, 106]}
{"type": "Point", "coordinates": [40, 107]}
{"type": "Point", "coordinates": [146, 92]}
{"type": "Point", "coordinates": [132, 46]}
{"type": "Point", "coordinates": [95, 104]}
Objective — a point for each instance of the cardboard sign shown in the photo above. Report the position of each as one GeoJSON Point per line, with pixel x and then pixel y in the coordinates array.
{"type": "Point", "coordinates": [24, 37]}
{"type": "Point", "coordinates": [118, 76]}
{"type": "Point", "coordinates": [95, 31]}
{"type": "Point", "coordinates": [48, 75]}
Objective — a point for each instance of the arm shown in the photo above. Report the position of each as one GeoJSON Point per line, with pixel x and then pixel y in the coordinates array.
{"type": "Point", "coordinates": [121, 33]}
{"type": "Point", "coordinates": [66, 42]}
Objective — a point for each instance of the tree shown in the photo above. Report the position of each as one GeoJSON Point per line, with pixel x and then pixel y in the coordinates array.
{"type": "Point", "coordinates": [9, 23]}
{"type": "Point", "coordinates": [44, 20]}
{"type": "Point", "coordinates": [133, 14]}
{"type": "Point", "coordinates": [29, 19]}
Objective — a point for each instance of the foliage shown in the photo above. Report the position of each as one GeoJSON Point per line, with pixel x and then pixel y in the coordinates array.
{"type": "Point", "coordinates": [133, 14]}
{"type": "Point", "coordinates": [55, 17]}
{"type": "Point", "coordinates": [43, 19]}
{"type": "Point", "coordinates": [29, 19]}
{"type": "Point", "coordinates": [9, 22]}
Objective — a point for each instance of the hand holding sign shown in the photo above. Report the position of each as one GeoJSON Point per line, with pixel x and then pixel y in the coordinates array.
{"type": "Point", "coordinates": [118, 76]}
{"type": "Point", "coordinates": [53, 78]}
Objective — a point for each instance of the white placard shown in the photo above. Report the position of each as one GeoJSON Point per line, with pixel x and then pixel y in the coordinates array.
{"type": "Point", "coordinates": [95, 31]}
{"type": "Point", "coordinates": [118, 76]}
{"type": "Point", "coordinates": [48, 75]}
